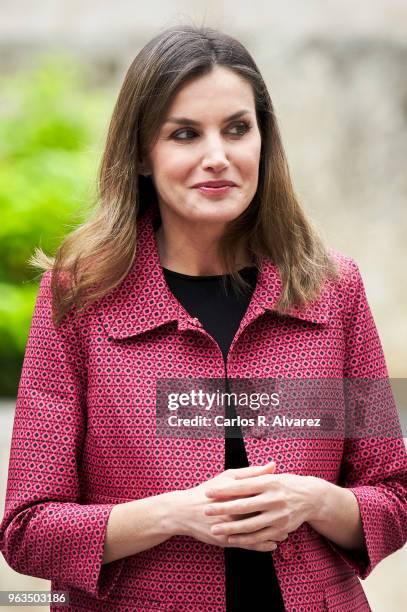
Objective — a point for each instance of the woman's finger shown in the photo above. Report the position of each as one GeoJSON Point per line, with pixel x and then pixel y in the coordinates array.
{"type": "Point", "coordinates": [261, 547]}
{"type": "Point", "coordinates": [253, 470]}
{"type": "Point", "coordinates": [243, 526]}
{"type": "Point", "coordinates": [238, 506]}
{"type": "Point", "coordinates": [246, 487]}
{"type": "Point", "coordinates": [262, 535]}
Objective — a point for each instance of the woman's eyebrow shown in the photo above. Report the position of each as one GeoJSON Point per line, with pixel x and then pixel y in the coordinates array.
{"type": "Point", "coordinates": [183, 120]}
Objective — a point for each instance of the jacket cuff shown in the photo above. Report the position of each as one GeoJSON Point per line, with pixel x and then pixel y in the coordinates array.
{"type": "Point", "coordinates": [104, 576]}
{"type": "Point", "coordinates": [371, 501]}
{"type": "Point", "coordinates": [63, 542]}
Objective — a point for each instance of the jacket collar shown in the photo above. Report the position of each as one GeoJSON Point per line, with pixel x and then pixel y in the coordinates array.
{"type": "Point", "coordinates": [269, 287]}
{"type": "Point", "coordinates": [143, 300]}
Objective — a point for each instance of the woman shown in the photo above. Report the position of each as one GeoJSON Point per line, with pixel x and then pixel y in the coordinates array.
{"type": "Point", "coordinates": [197, 264]}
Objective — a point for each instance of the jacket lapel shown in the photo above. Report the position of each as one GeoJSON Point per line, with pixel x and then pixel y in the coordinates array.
{"type": "Point", "coordinates": [143, 300]}
{"type": "Point", "coordinates": [269, 287]}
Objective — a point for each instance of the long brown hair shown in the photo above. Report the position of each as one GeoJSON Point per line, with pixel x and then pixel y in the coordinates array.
{"type": "Point", "coordinates": [98, 255]}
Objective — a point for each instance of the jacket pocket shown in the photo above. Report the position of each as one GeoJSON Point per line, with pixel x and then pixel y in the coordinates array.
{"type": "Point", "coordinates": [346, 596]}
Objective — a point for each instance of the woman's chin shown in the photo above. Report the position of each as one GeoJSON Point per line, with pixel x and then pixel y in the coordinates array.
{"type": "Point", "coordinates": [219, 214]}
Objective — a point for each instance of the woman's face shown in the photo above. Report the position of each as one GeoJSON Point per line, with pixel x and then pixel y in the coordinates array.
{"type": "Point", "coordinates": [200, 142]}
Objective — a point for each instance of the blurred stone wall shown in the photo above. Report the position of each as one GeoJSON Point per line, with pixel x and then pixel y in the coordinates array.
{"type": "Point", "coordinates": [336, 74]}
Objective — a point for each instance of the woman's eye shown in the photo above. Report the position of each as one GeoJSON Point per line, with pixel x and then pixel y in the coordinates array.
{"type": "Point", "coordinates": [178, 137]}
{"type": "Point", "coordinates": [242, 127]}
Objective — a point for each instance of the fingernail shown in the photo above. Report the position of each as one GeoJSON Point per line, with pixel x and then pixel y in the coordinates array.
{"type": "Point", "coordinates": [208, 509]}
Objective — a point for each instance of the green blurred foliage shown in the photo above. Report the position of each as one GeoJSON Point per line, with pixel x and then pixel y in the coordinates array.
{"type": "Point", "coordinates": [52, 128]}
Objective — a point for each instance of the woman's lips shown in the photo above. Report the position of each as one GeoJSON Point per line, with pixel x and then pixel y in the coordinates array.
{"type": "Point", "coordinates": [214, 191]}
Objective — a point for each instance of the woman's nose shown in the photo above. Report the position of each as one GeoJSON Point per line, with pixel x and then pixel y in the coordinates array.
{"type": "Point", "coordinates": [215, 156]}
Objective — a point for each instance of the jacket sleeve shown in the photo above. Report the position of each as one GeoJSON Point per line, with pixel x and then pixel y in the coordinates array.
{"type": "Point", "coordinates": [46, 532]}
{"type": "Point", "coordinates": [374, 467]}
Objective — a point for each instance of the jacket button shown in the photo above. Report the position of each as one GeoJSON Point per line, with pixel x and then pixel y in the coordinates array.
{"type": "Point", "coordinates": [258, 431]}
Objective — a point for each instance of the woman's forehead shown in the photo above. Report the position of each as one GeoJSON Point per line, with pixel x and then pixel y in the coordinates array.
{"type": "Point", "coordinates": [224, 91]}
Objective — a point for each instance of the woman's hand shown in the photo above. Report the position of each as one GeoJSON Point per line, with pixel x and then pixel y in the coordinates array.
{"type": "Point", "coordinates": [187, 515]}
{"type": "Point", "coordinates": [276, 504]}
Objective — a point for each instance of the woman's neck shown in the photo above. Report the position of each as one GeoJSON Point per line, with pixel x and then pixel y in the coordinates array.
{"type": "Point", "coordinates": [189, 255]}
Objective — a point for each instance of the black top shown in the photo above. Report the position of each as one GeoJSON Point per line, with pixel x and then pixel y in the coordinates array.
{"type": "Point", "coordinates": [251, 581]}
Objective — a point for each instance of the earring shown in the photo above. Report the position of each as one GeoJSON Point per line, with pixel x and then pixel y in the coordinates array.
{"type": "Point", "coordinates": [144, 172]}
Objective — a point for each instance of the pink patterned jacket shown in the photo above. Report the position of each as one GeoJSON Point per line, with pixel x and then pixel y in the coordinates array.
{"type": "Point", "coordinates": [84, 440]}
